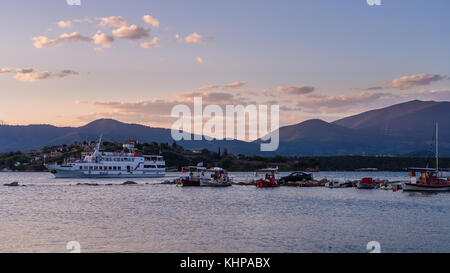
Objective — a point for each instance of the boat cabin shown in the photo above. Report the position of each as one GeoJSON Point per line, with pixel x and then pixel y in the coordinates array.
{"type": "Point", "coordinates": [427, 176]}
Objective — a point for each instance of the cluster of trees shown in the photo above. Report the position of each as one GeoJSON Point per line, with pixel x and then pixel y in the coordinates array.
{"type": "Point", "coordinates": [18, 161]}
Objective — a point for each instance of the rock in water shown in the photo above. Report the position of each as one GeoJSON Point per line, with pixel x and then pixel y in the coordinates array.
{"type": "Point", "coordinates": [12, 184]}
{"type": "Point", "coordinates": [87, 184]}
{"type": "Point", "coordinates": [129, 183]}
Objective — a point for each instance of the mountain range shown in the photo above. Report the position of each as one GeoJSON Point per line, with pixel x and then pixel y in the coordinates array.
{"type": "Point", "coordinates": [405, 129]}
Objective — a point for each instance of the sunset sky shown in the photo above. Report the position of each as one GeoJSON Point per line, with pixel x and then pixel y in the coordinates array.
{"type": "Point", "coordinates": [134, 60]}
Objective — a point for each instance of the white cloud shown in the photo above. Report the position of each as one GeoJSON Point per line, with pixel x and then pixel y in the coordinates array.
{"type": "Point", "coordinates": [235, 84]}
{"type": "Point", "coordinates": [208, 87]}
{"type": "Point", "coordinates": [193, 38]}
{"type": "Point", "coordinates": [69, 23]}
{"type": "Point", "coordinates": [31, 75]}
{"type": "Point", "coordinates": [151, 20]}
{"type": "Point", "coordinates": [407, 82]}
{"type": "Point", "coordinates": [64, 24]}
{"type": "Point", "coordinates": [295, 90]}
{"type": "Point", "coordinates": [177, 38]}
{"type": "Point", "coordinates": [102, 39]}
{"type": "Point", "coordinates": [112, 21]}
{"type": "Point", "coordinates": [5, 70]}
{"type": "Point", "coordinates": [73, 37]}
{"type": "Point", "coordinates": [42, 41]}
{"type": "Point", "coordinates": [132, 32]}
{"type": "Point", "coordinates": [339, 103]}
{"type": "Point", "coordinates": [150, 44]}
{"type": "Point", "coordinates": [200, 60]}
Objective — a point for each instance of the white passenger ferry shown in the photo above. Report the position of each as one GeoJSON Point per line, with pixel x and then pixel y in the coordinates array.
{"type": "Point", "coordinates": [111, 165]}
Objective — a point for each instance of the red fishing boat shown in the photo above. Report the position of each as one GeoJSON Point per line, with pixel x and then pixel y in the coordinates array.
{"type": "Point", "coordinates": [428, 181]}
{"type": "Point", "coordinates": [196, 174]}
{"type": "Point", "coordinates": [429, 178]}
{"type": "Point", "coordinates": [368, 183]}
{"type": "Point", "coordinates": [269, 181]}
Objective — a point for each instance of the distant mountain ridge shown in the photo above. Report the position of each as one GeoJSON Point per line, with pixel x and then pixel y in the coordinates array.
{"type": "Point", "coordinates": [401, 129]}
{"type": "Point", "coordinates": [414, 117]}
{"type": "Point", "coordinates": [32, 137]}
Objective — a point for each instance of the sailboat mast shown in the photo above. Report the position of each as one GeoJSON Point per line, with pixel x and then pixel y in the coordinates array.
{"type": "Point", "coordinates": [437, 148]}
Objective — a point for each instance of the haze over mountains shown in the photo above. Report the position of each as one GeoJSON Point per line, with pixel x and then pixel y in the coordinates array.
{"type": "Point", "coordinates": [402, 129]}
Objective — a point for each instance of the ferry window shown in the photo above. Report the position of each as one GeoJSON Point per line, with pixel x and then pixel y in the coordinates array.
{"type": "Point", "coordinates": [119, 168]}
{"type": "Point", "coordinates": [81, 167]}
{"type": "Point", "coordinates": [110, 167]}
{"type": "Point", "coordinates": [115, 168]}
{"type": "Point", "coordinates": [90, 167]}
{"type": "Point", "coordinates": [95, 167]}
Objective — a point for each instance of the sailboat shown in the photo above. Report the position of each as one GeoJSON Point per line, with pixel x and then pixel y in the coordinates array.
{"type": "Point", "coordinates": [429, 178]}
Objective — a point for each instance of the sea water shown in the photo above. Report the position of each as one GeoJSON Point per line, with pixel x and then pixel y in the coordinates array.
{"type": "Point", "coordinates": [47, 213]}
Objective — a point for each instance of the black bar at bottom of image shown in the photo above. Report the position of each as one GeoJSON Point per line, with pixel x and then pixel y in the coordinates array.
{"type": "Point", "coordinates": [221, 262]}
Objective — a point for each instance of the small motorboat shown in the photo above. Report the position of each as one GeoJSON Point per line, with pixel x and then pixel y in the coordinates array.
{"type": "Point", "coordinates": [338, 184]}
{"type": "Point", "coordinates": [202, 177]}
{"type": "Point", "coordinates": [197, 175]}
{"type": "Point", "coordinates": [269, 180]}
{"type": "Point", "coordinates": [219, 178]}
{"type": "Point", "coordinates": [368, 183]}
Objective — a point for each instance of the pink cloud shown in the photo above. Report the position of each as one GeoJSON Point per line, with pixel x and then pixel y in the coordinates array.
{"type": "Point", "coordinates": [407, 82]}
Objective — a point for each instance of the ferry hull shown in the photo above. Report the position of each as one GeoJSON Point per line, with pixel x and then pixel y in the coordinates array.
{"type": "Point", "coordinates": [418, 187]}
{"type": "Point", "coordinates": [59, 172]}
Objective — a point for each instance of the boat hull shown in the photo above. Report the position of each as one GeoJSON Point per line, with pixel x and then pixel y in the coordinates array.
{"type": "Point", "coordinates": [191, 182]}
{"type": "Point", "coordinates": [367, 186]}
{"type": "Point", "coordinates": [265, 184]}
{"type": "Point", "coordinates": [215, 184]}
{"type": "Point", "coordinates": [419, 187]}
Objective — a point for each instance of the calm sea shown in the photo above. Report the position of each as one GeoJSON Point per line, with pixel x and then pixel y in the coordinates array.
{"type": "Point", "coordinates": [48, 213]}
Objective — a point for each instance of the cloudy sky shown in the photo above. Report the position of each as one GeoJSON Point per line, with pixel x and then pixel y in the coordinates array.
{"type": "Point", "coordinates": [134, 60]}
